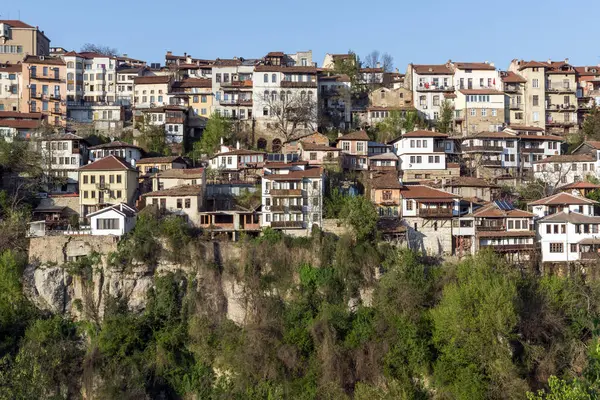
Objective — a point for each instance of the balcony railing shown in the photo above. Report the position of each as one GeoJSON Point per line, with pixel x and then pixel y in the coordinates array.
{"type": "Point", "coordinates": [485, 147]}
{"type": "Point", "coordinates": [434, 88]}
{"type": "Point", "coordinates": [439, 149]}
{"type": "Point", "coordinates": [561, 107]}
{"type": "Point", "coordinates": [290, 84]}
{"type": "Point", "coordinates": [506, 248]}
{"type": "Point", "coordinates": [491, 163]}
{"type": "Point", "coordinates": [286, 192]}
{"type": "Point", "coordinates": [516, 106]}
{"type": "Point", "coordinates": [435, 212]}
{"type": "Point", "coordinates": [560, 123]}
{"type": "Point", "coordinates": [535, 150]}
{"type": "Point", "coordinates": [590, 256]}
{"type": "Point", "coordinates": [284, 208]}
{"type": "Point", "coordinates": [512, 89]}
{"type": "Point", "coordinates": [287, 224]}
{"type": "Point", "coordinates": [560, 89]}
{"type": "Point", "coordinates": [102, 186]}
{"type": "Point", "coordinates": [491, 228]}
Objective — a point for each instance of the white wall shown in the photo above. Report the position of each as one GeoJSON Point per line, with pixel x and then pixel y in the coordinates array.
{"type": "Point", "coordinates": [125, 224]}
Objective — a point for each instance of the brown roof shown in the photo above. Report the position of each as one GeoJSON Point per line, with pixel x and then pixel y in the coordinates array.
{"type": "Point", "coordinates": [593, 143]}
{"type": "Point", "coordinates": [276, 54]}
{"type": "Point", "coordinates": [161, 160]}
{"type": "Point", "coordinates": [371, 70]}
{"type": "Point", "coordinates": [63, 136]}
{"type": "Point", "coordinates": [572, 217]}
{"type": "Point", "coordinates": [511, 77]}
{"type": "Point", "coordinates": [526, 128]}
{"type": "Point", "coordinates": [20, 115]}
{"type": "Point", "coordinates": [435, 69]}
{"type": "Point", "coordinates": [561, 199]}
{"type": "Point", "coordinates": [149, 80]}
{"type": "Point", "coordinates": [426, 192]}
{"type": "Point", "coordinates": [15, 23]}
{"type": "Point", "coordinates": [181, 173]}
{"type": "Point", "coordinates": [422, 133]}
{"type": "Point", "coordinates": [587, 70]}
{"type": "Point", "coordinates": [110, 163]}
{"type": "Point", "coordinates": [314, 172]}
{"type": "Point", "coordinates": [280, 68]}
{"type": "Point", "coordinates": [474, 65]}
{"type": "Point", "coordinates": [382, 108]}
{"type": "Point", "coordinates": [386, 181]}
{"type": "Point", "coordinates": [114, 144]}
{"type": "Point", "coordinates": [317, 147]}
{"type": "Point", "coordinates": [358, 135]}
{"type": "Point", "coordinates": [493, 234]}
{"type": "Point", "coordinates": [183, 190]}
{"type": "Point", "coordinates": [194, 83]}
{"type": "Point", "coordinates": [337, 78]}
{"type": "Point", "coordinates": [532, 64]}
{"type": "Point", "coordinates": [542, 137]}
{"type": "Point", "coordinates": [467, 181]}
{"type": "Point", "coordinates": [240, 152]}
{"type": "Point", "coordinates": [480, 91]}
{"type": "Point", "coordinates": [11, 68]}
{"type": "Point", "coordinates": [47, 60]}
{"type": "Point", "coordinates": [227, 62]}
{"type": "Point", "coordinates": [20, 123]}
{"type": "Point", "coordinates": [580, 185]}
{"type": "Point", "coordinates": [492, 211]}
{"type": "Point", "coordinates": [492, 135]}
{"type": "Point", "coordinates": [567, 158]}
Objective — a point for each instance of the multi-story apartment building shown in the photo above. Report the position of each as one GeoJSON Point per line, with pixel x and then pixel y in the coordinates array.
{"type": "Point", "coordinates": [91, 78]}
{"type": "Point", "coordinates": [17, 124]}
{"type": "Point", "coordinates": [151, 91]}
{"type": "Point", "coordinates": [431, 85]}
{"type": "Point", "coordinates": [199, 94]}
{"type": "Point", "coordinates": [292, 197]}
{"type": "Point", "coordinates": [422, 155]}
{"type": "Point", "coordinates": [514, 89]}
{"type": "Point", "coordinates": [125, 76]}
{"type": "Point", "coordinates": [475, 75]}
{"type": "Point", "coordinates": [560, 170]}
{"type": "Point", "coordinates": [233, 88]}
{"type": "Point", "coordinates": [285, 99]}
{"type": "Point", "coordinates": [107, 181]}
{"type": "Point", "coordinates": [386, 194]}
{"type": "Point", "coordinates": [490, 154]}
{"type": "Point", "coordinates": [62, 156]}
{"type": "Point", "coordinates": [549, 94]}
{"type": "Point", "coordinates": [44, 88]}
{"type": "Point", "coordinates": [18, 39]}
{"type": "Point", "coordinates": [355, 150]}
{"type": "Point", "coordinates": [11, 87]}
{"type": "Point", "coordinates": [335, 98]}
{"type": "Point", "coordinates": [568, 229]}
{"type": "Point", "coordinates": [588, 89]}
{"type": "Point", "coordinates": [592, 148]}
{"type": "Point", "coordinates": [479, 110]}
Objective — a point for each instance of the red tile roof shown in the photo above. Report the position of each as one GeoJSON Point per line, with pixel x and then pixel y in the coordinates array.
{"type": "Point", "coordinates": [240, 152]}
{"type": "Point", "coordinates": [532, 64]}
{"type": "Point", "coordinates": [150, 80]}
{"type": "Point", "coordinates": [435, 69]}
{"type": "Point", "coordinates": [15, 23]}
{"type": "Point", "coordinates": [371, 70]}
{"type": "Point", "coordinates": [20, 123]}
{"type": "Point", "coordinates": [20, 115]}
{"type": "Point", "coordinates": [276, 54]}
{"type": "Point", "coordinates": [426, 192]}
{"type": "Point", "coordinates": [386, 181]}
{"type": "Point", "coordinates": [567, 158]}
{"type": "Point", "coordinates": [474, 65]}
{"type": "Point", "coordinates": [526, 128]}
{"type": "Point", "coordinates": [110, 163]}
{"type": "Point", "coordinates": [511, 77]}
{"type": "Point", "coordinates": [284, 69]}
{"type": "Point", "coordinates": [358, 135]}
{"type": "Point", "coordinates": [422, 133]}
{"type": "Point", "coordinates": [308, 146]}
{"type": "Point", "coordinates": [11, 68]}
{"type": "Point", "coordinates": [114, 144]}
{"type": "Point", "coordinates": [580, 185]}
{"type": "Point", "coordinates": [48, 60]}
{"type": "Point", "coordinates": [161, 160]}
{"type": "Point", "coordinates": [194, 83]}
{"type": "Point", "coordinates": [315, 172]}
{"type": "Point", "coordinates": [561, 199]}
{"type": "Point", "coordinates": [492, 211]}
{"type": "Point", "coordinates": [593, 143]}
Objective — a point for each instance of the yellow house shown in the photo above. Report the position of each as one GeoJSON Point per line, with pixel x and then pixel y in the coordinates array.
{"type": "Point", "coordinates": [110, 180]}
{"type": "Point", "coordinates": [199, 94]}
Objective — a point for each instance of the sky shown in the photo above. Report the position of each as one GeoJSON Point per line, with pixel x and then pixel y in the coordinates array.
{"type": "Point", "coordinates": [421, 31]}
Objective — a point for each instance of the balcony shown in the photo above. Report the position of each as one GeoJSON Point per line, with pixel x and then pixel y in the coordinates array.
{"type": "Point", "coordinates": [561, 123]}
{"type": "Point", "coordinates": [239, 102]}
{"type": "Point", "coordinates": [486, 148]}
{"type": "Point", "coordinates": [439, 149]}
{"type": "Point", "coordinates": [284, 208]}
{"type": "Point", "coordinates": [286, 192]}
{"type": "Point", "coordinates": [102, 186]}
{"type": "Point", "coordinates": [509, 248]}
{"type": "Point", "coordinates": [434, 88]}
{"type": "Point", "coordinates": [560, 89]}
{"type": "Point", "coordinates": [532, 150]}
{"type": "Point", "coordinates": [512, 89]}
{"type": "Point", "coordinates": [435, 212]}
{"type": "Point", "coordinates": [561, 107]}
{"type": "Point", "coordinates": [491, 228]}
{"type": "Point", "coordinates": [36, 95]}
{"type": "Point", "coordinates": [290, 84]}
{"type": "Point", "coordinates": [287, 224]}
{"type": "Point", "coordinates": [55, 96]}
{"type": "Point", "coordinates": [491, 163]}
{"type": "Point", "coordinates": [46, 77]}
{"type": "Point", "coordinates": [515, 106]}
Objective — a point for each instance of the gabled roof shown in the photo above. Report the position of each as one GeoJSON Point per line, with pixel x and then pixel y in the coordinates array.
{"type": "Point", "coordinates": [567, 158]}
{"type": "Point", "coordinates": [115, 144]}
{"type": "Point", "coordinates": [20, 123]}
{"type": "Point", "coordinates": [183, 190]}
{"type": "Point", "coordinates": [284, 69]}
{"type": "Point", "coordinates": [492, 211]}
{"type": "Point", "coordinates": [63, 136]}
{"type": "Point", "coordinates": [533, 64]}
{"type": "Point", "coordinates": [15, 23]}
{"type": "Point", "coordinates": [181, 173]}
{"type": "Point", "coordinates": [386, 181]}
{"type": "Point", "coordinates": [592, 143]}
{"type": "Point", "coordinates": [561, 199]}
{"type": "Point", "coordinates": [432, 69]}
{"type": "Point", "coordinates": [310, 172]}
{"type": "Point", "coordinates": [427, 193]}
{"type": "Point", "coordinates": [239, 152]}
{"type": "Point", "coordinates": [423, 133]}
{"type": "Point", "coordinates": [481, 91]}
{"type": "Point", "coordinates": [358, 135]}
{"type": "Point", "coordinates": [151, 80]}
{"type": "Point", "coordinates": [491, 135]}
{"type": "Point", "coordinates": [161, 160]}
{"type": "Point", "coordinates": [193, 83]}
{"type": "Point", "coordinates": [120, 208]}
{"type": "Point", "coordinates": [572, 217]}
{"type": "Point", "coordinates": [474, 65]}
{"type": "Point", "coordinates": [110, 163]}
{"type": "Point", "coordinates": [385, 156]}
{"type": "Point", "coordinates": [512, 77]}
{"type": "Point", "coordinates": [308, 146]}
{"type": "Point", "coordinates": [579, 185]}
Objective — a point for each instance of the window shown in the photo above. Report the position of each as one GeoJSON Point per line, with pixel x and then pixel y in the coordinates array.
{"type": "Point", "coordinates": [473, 112]}
{"type": "Point", "coordinates": [85, 179]}
{"type": "Point", "coordinates": [218, 78]}
{"type": "Point", "coordinates": [536, 100]}
{"type": "Point", "coordinates": [536, 116]}
{"type": "Point", "coordinates": [573, 247]}
{"type": "Point", "coordinates": [409, 205]}
{"type": "Point", "coordinates": [93, 179]}
{"type": "Point", "coordinates": [346, 146]}
{"type": "Point", "coordinates": [313, 156]}
{"type": "Point", "coordinates": [494, 112]}
{"type": "Point", "coordinates": [548, 228]}
{"type": "Point", "coordinates": [535, 83]}
{"type": "Point", "coordinates": [188, 203]}
{"type": "Point", "coordinates": [274, 78]}
{"type": "Point", "coordinates": [179, 203]}
{"type": "Point", "coordinates": [107, 223]}
{"type": "Point", "coordinates": [556, 247]}
{"type": "Point", "coordinates": [436, 100]}
{"type": "Point", "coordinates": [118, 194]}
{"type": "Point", "coordinates": [266, 78]}
{"type": "Point", "coordinates": [360, 147]}
{"type": "Point", "coordinates": [484, 112]}
{"type": "Point", "coordinates": [265, 112]}
{"type": "Point", "coordinates": [118, 178]}
{"type": "Point", "coordinates": [85, 194]}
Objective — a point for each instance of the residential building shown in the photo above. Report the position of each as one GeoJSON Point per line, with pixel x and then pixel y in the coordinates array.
{"type": "Point", "coordinates": [561, 202]}
{"type": "Point", "coordinates": [479, 110]}
{"type": "Point", "coordinates": [100, 117]}
{"type": "Point", "coordinates": [237, 165]}
{"type": "Point", "coordinates": [184, 201]}
{"type": "Point", "coordinates": [537, 146]}
{"type": "Point", "coordinates": [151, 91]}
{"type": "Point", "coordinates": [62, 156]}
{"type": "Point", "coordinates": [427, 213]}
{"type": "Point", "coordinates": [475, 76]}
{"type": "Point", "coordinates": [125, 82]}
{"type": "Point", "coordinates": [280, 85]}
{"type": "Point", "coordinates": [91, 79]}
{"type": "Point", "coordinates": [591, 148]}
{"type": "Point", "coordinates": [176, 120]}
{"type": "Point", "coordinates": [150, 165]}
{"type": "Point", "coordinates": [231, 222]}
{"type": "Point", "coordinates": [19, 39]}
{"type": "Point", "coordinates": [430, 85]}
{"type": "Point", "coordinates": [127, 151]}
{"type": "Point", "coordinates": [588, 90]}
{"type": "Point", "coordinates": [581, 188]}
{"type": "Point", "coordinates": [422, 155]}
{"type": "Point", "coordinates": [116, 220]}
{"type": "Point", "coordinates": [468, 188]}
{"type": "Point", "coordinates": [292, 198]}
{"type": "Point", "coordinates": [319, 154]}
{"type": "Point", "coordinates": [11, 87]}
{"type": "Point", "coordinates": [199, 94]}
{"type": "Point", "coordinates": [490, 154]}
{"type": "Point", "coordinates": [16, 124]}
{"type": "Point", "coordinates": [179, 177]}
{"type": "Point", "coordinates": [560, 170]}
{"type": "Point", "coordinates": [355, 150]}
{"type": "Point", "coordinates": [386, 194]}
{"type": "Point", "coordinates": [335, 102]}
{"type": "Point", "coordinates": [384, 162]}
{"type": "Point", "coordinates": [383, 101]}
{"type": "Point", "coordinates": [232, 84]}
{"type": "Point", "coordinates": [44, 87]}
{"type": "Point", "coordinates": [107, 181]}
{"type": "Point", "coordinates": [514, 89]}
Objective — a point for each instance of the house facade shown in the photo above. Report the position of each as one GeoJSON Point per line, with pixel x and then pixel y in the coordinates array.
{"type": "Point", "coordinates": [185, 201]}
{"type": "Point", "coordinates": [20, 39]}
{"type": "Point", "coordinates": [44, 83]}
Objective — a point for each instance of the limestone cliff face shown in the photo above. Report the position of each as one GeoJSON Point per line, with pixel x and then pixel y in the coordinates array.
{"type": "Point", "coordinates": [52, 287]}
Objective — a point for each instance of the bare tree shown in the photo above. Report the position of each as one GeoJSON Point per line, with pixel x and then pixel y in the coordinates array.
{"type": "Point", "coordinates": [100, 49]}
{"type": "Point", "coordinates": [292, 112]}
{"type": "Point", "coordinates": [375, 59]}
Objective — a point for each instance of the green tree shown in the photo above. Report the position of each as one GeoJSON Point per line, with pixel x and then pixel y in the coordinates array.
{"type": "Point", "coordinates": [591, 124]}
{"type": "Point", "coordinates": [217, 128]}
{"type": "Point", "coordinates": [444, 122]}
{"type": "Point", "coordinates": [397, 122]}
{"type": "Point", "coordinates": [153, 137]}
{"type": "Point", "coordinates": [359, 213]}
{"type": "Point", "coordinates": [349, 66]}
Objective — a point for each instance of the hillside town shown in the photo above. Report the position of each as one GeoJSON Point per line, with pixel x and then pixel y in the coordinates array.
{"type": "Point", "coordinates": [449, 155]}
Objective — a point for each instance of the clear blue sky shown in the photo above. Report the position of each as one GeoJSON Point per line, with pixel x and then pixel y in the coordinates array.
{"type": "Point", "coordinates": [421, 31]}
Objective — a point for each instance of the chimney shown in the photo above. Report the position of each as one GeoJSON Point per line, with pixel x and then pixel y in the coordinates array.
{"type": "Point", "coordinates": [486, 62]}
{"type": "Point", "coordinates": [340, 134]}
{"type": "Point", "coordinates": [221, 140]}
{"type": "Point", "coordinates": [124, 54]}
{"type": "Point", "coordinates": [184, 54]}
{"type": "Point", "coordinates": [237, 145]}
{"type": "Point", "coordinates": [378, 64]}
{"type": "Point", "coordinates": [133, 162]}
{"type": "Point", "coordinates": [492, 64]}
{"type": "Point", "coordinates": [549, 61]}
{"type": "Point", "coordinates": [169, 53]}
{"type": "Point", "coordinates": [566, 60]}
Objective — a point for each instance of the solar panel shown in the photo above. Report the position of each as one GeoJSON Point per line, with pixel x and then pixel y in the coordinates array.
{"type": "Point", "coordinates": [504, 205]}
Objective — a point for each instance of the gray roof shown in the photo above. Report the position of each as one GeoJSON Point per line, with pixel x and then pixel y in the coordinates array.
{"type": "Point", "coordinates": [571, 217]}
{"type": "Point", "coordinates": [384, 156]}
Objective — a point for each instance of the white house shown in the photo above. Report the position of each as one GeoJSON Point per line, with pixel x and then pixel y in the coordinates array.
{"type": "Point", "coordinates": [127, 151]}
{"type": "Point", "coordinates": [564, 169]}
{"type": "Point", "coordinates": [178, 177]}
{"type": "Point", "coordinates": [476, 75]}
{"type": "Point", "coordinates": [62, 155]}
{"type": "Point", "coordinates": [185, 201]}
{"type": "Point", "coordinates": [232, 86]}
{"type": "Point", "coordinates": [495, 151]}
{"type": "Point", "coordinates": [431, 85]}
{"type": "Point", "coordinates": [592, 148]}
{"type": "Point", "coordinates": [115, 220]}
{"type": "Point", "coordinates": [562, 202]}
{"type": "Point", "coordinates": [292, 198]}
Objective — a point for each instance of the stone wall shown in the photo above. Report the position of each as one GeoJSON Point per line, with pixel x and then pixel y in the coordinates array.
{"type": "Point", "coordinates": [70, 201]}
{"type": "Point", "coordinates": [57, 249]}
{"type": "Point", "coordinates": [432, 236]}
{"type": "Point", "coordinates": [335, 226]}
